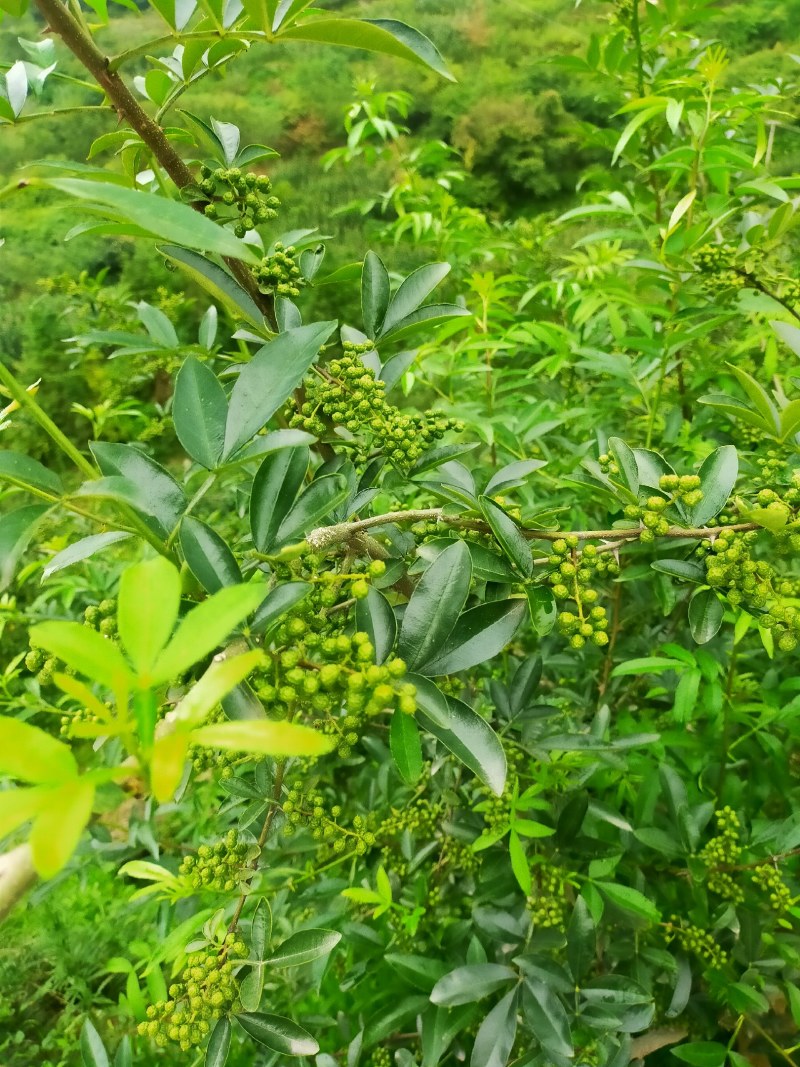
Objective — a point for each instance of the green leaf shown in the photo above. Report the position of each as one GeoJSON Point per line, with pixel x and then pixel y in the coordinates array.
{"type": "Point", "coordinates": [93, 1051]}
{"type": "Point", "coordinates": [430, 315]}
{"type": "Point", "coordinates": [161, 218]}
{"type": "Point", "coordinates": [267, 738]}
{"type": "Point", "coordinates": [629, 900]}
{"type": "Point", "coordinates": [275, 605]}
{"type": "Point", "coordinates": [512, 474]}
{"type": "Point", "coordinates": [435, 605]}
{"type": "Point", "coordinates": [406, 747]}
{"type": "Point", "coordinates": [303, 947]}
{"type": "Point", "coordinates": [375, 617]}
{"type": "Point", "coordinates": [275, 486]}
{"type": "Point", "coordinates": [124, 1056]}
{"type": "Point", "coordinates": [686, 694]}
{"type": "Point", "coordinates": [216, 682]}
{"type": "Point", "coordinates": [789, 334]}
{"type": "Point", "coordinates": [479, 634]}
{"type": "Point", "coordinates": [219, 1043]}
{"type": "Point", "coordinates": [701, 1053]}
{"type": "Point", "coordinates": [469, 737]}
{"type": "Point", "coordinates": [525, 683]}
{"type": "Point", "coordinates": [759, 397]}
{"type": "Point", "coordinates": [470, 983]}
{"type": "Point", "coordinates": [86, 650]}
{"type": "Point", "coordinates": [374, 294]}
{"type": "Point", "coordinates": [685, 569]}
{"type": "Point", "coordinates": [205, 628]}
{"type": "Point", "coordinates": [16, 529]}
{"type": "Point", "coordinates": [159, 495]}
{"type": "Point", "coordinates": [312, 506]}
{"type": "Point", "coordinates": [147, 610]}
{"type": "Point", "coordinates": [21, 470]}
{"type": "Point", "coordinates": [278, 1034]}
{"type": "Point", "coordinates": [547, 1018]}
{"type": "Point", "coordinates": [519, 862]}
{"type": "Point", "coordinates": [737, 409]}
{"type": "Point", "coordinates": [626, 461]}
{"type": "Point", "coordinates": [199, 411]}
{"type": "Point", "coordinates": [542, 608]}
{"type": "Point", "coordinates": [509, 535]}
{"type": "Point", "coordinates": [421, 971]}
{"type": "Point", "coordinates": [57, 829]}
{"type": "Point", "coordinates": [217, 283]}
{"type": "Point", "coordinates": [497, 1033]}
{"type": "Point", "coordinates": [83, 549]}
{"type": "Point", "coordinates": [412, 292]}
{"type": "Point", "coordinates": [385, 36]}
{"type": "Point", "coordinates": [581, 940]}
{"type": "Point", "coordinates": [268, 380]}
{"type": "Point", "coordinates": [705, 615]}
{"type": "Point", "coordinates": [718, 475]}
{"type": "Point", "coordinates": [647, 665]}
{"type": "Point", "coordinates": [208, 557]}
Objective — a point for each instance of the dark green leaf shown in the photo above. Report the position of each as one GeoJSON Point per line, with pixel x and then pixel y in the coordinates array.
{"type": "Point", "coordinates": [374, 294]}
{"type": "Point", "coordinates": [216, 281]}
{"type": "Point", "coordinates": [470, 738]}
{"type": "Point", "coordinates": [701, 1053]}
{"type": "Point", "coordinates": [473, 982]}
{"type": "Point", "coordinates": [581, 940]}
{"type": "Point", "coordinates": [421, 971]}
{"type": "Point", "coordinates": [525, 683]}
{"type": "Point", "coordinates": [268, 380]}
{"type": "Point", "coordinates": [278, 1034]}
{"type": "Point", "coordinates": [199, 411]}
{"type": "Point", "coordinates": [682, 990]}
{"type": "Point", "coordinates": [547, 1018]}
{"type": "Point", "coordinates": [430, 315]}
{"type": "Point", "coordinates": [159, 495]}
{"type": "Point", "coordinates": [303, 947]}
{"type": "Point", "coordinates": [16, 529]}
{"type": "Point", "coordinates": [374, 616]}
{"type": "Point", "coordinates": [406, 746]}
{"type": "Point", "coordinates": [686, 569]}
{"type": "Point", "coordinates": [208, 556]}
{"type": "Point", "coordinates": [412, 292]}
{"type": "Point", "coordinates": [435, 605]}
{"type": "Point", "coordinates": [718, 475]}
{"type": "Point", "coordinates": [275, 487]}
{"type": "Point", "coordinates": [542, 607]}
{"type": "Point", "coordinates": [626, 461]}
{"type": "Point", "coordinates": [161, 218]}
{"type": "Point", "coordinates": [629, 900]}
{"type": "Point", "coordinates": [508, 535]}
{"type": "Point", "coordinates": [705, 615]}
{"type": "Point", "coordinates": [312, 506]}
{"type": "Point", "coordinates": [93, 1051]}
{"type": "Point", "coordinates": [385, 36]}
{"type": "Point", "coordinates": [219, 1043]}
{"type": "Point", "coordinates": [282, 599]}
{"type": "Point", "coordinates": [479, 634]}
{"type": "Point", "coordinates": [21, 470]}
{"type": "Point", "coordinates": [495, 1038]}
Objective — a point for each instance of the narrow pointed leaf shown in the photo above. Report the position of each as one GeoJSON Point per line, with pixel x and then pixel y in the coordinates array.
{"type": "Point", "coordinates": [435, 605]}
{"type": "Point", "coordinates": [199, 411]}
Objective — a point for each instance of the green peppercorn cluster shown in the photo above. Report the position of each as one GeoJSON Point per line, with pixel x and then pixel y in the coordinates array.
{"type": "Point", "coordinates": [607, 463]}
{"type": "Point", "coordinates": [571, 578]}
{"type": "Point", "coordinates": [771, 467]}
{"type": "Point", "coordinates": [328, 676]}
{"type": "Point", "coordinates": [684, 489]}
{"type": "Point", "coordinates": [309, 810]}
{"type": "Point", "coordinates": [458, 856]}
{"type": "Point", "coordinates": [420, 819]}
{"type": "Point", "coordinates": [279, 273]}
{"type": "Point", "coordinates": [43, 666]}
{"type": "Point", "coordinates": [547, 901]}
{"type": "Point", "coordinates": [724, 850]}
{"type": "Point", "coordinates": [381, 1057]}
{"type": "Point", "coordinates": [103, 617]}
{"type": "Point", "coordinates": [719, 268]}
{"type": "Point", "coordinates": [204, 758]}
{"type": "Point", "coordinates": [695, 939]}
{"type": "Point", "coordinates": [731, 568]}
{"type": "Point", "coordinates": [347, 394]}
{"type": "Point", "coordinates": [245, 199]}
{"type": "Point", "coordinates": [206, 990]}
{"type": "Point", "coordinates": [73, 720]}
{"type": "Point", "coordinates": [217, 867]}
{"type": "Point", "coordinates": [767, 878]}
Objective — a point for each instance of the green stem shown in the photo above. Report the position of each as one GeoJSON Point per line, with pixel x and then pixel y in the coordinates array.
{"type": "Point", "coordinates": [198, 496]}
{"type": "Point", "coordinates": [115, 62]}
{"type": "Point", "coordinates": [27, 401]}
{"type": "Point", "coordinates": [636, 30]}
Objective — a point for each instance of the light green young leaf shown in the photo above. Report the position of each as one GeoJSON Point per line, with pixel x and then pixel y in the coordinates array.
{"type": "Point", "coordinates": [266, 738]}
{"type": "Point", "coordinates": [87, 651]}
{"type": "Point", "coordinates": [28, 753]}
{"type": "Point", "coordinates": [19, 805]}
{"type": "Point", "coordinates": [57, 829]}
{"type": "Point", "coordinates": [220, 678]}
{"type": "Point", "coordinates": [147, 609]}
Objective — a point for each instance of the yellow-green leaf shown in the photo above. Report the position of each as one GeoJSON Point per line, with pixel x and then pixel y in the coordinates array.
{"type": "Point", "coordinates": [29, 753]}
{"type": "Point", "coordinates": [166, 764]}
{"type": "Point", "coordinates": [59, 826]}
{"type": "Point", "coordinates": [264, 737]}
{"type": "Point", "coordinates": [216, 683]}
{"type": "Point", "coordinates": [19, 805]}
{"type": "Point", "coordinates": [149, 600]}
{"type": "Point", "coordinates": [87, 651]}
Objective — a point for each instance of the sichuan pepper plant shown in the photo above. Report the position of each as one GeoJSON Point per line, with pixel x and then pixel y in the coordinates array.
{"type": "Point", "coordinates": [423, 752]}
